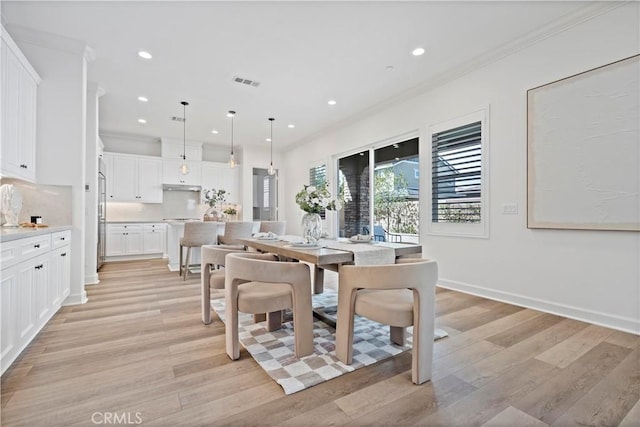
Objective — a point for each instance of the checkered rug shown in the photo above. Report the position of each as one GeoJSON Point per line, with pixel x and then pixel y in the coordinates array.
{"type": "Point", "coordinates": [274, 351]}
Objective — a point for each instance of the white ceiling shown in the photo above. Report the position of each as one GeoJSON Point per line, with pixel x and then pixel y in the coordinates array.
{"type": "Point", "coordinates": [303, 53]}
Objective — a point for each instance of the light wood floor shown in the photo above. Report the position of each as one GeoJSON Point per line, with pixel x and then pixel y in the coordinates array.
{"type": "Point", "coordinates": [139, 349]}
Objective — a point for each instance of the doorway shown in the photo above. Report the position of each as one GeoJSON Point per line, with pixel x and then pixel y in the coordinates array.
{"type": "Point", "coordinates": [265, 195]}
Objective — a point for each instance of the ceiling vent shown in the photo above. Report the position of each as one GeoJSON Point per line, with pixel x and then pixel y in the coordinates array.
{"type": "Point", "coordinates": [177, 119]}
{"type": "Point", "coordinates": [247, 82]}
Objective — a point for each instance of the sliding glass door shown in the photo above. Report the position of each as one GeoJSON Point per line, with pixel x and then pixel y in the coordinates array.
{"type": "Point", "coordinates": [383, 200]}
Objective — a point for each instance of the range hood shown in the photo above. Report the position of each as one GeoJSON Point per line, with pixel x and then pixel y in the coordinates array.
{"type": "Point", "coordinates": [181, 187]}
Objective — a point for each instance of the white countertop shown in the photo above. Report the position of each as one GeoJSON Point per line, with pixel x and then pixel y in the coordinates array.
{"type": "Point", "coordinates": [8, 234]}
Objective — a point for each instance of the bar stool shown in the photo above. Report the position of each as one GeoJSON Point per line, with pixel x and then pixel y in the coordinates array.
{"type": "Point", "coordinates": [234, 230]}
{"type": "Point", "coordinates": [196, 234]}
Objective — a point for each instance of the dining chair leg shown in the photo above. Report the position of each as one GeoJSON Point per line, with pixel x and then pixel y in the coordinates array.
{"type": "Point", "coordinates": [274, 320]}
{"type": "Point", "coordinates": [186, 264]}
{"type": "Point", "coordinates": [398, 335]}
{"type": "Point", "coordinates": [259, 317]}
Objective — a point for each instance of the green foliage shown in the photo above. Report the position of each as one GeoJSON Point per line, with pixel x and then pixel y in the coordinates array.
{"type": "Point", "coordinates": [390, 205]}
{"type": "Point", "coordinates": [460, 213]}
{"type": "Point", "coordinates": [213, 196]}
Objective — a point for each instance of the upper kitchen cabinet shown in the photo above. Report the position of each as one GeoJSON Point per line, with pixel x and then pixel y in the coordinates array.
{"type": "Point", "coordinates": [132, 178]}
{"type": "Point", "coordinates": [171, 173]}
{"type": "Point", "coordinates": [19, 86]}
{"type": "Point", "coordinates": [221, 176]}
{"type": "Point", "coordinates": [173, 149]}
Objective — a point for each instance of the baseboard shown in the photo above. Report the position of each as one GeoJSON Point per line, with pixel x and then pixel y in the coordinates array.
{"type": "Point", "coordinates": [133, 257]}
{"type": "Point", "coordinates": [625, 324]}
{"type": "Point", "coordinates": [92, 279]}
{"type": "Point", "coordinates": [76, 299]}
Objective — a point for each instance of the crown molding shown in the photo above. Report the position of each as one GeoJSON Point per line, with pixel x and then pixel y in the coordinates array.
{"type": "Point", "coordinates": [564, 23]}
{"type": "Point", "coordinates": [51, 41]}
{"type": "Point", "coordinates": [130, 136]}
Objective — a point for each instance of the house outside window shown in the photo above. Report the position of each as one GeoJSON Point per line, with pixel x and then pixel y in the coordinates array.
{"type": "Point", "coordinates": [459, 176]}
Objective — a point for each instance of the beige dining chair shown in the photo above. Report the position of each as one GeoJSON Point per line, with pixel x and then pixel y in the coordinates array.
{"type": "Point", "coordinates": [196, 234]}
{"type": "Point", "coordinates": [213, 262]}
{"type": "Point", "coordinates": [258, 283]}
{"type": "Point", "coordinates": [234, 230]}
{"type": "Point", "coordinates": [398, 295]}
{"type": "Point", "coordinates": [276, 227]}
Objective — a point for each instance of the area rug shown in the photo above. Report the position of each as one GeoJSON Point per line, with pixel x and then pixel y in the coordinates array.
{"type": "Point", "coordinates": [274, 351]}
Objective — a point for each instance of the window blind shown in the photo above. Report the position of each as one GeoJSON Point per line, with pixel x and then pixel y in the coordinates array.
{"type": "Point", "coordinates": [456, 174]}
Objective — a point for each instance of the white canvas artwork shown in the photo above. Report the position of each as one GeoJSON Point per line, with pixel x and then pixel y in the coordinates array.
{"type": "Point", "coordinates": [584, 150]}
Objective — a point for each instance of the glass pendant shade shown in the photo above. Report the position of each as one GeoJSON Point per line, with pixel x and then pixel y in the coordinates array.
{"type": "Point", "coordinates": [271, 170]}
{"type": "Point", "coordinates": [184, 169]}
{"type": "Point", "coordinates": [232, 161]}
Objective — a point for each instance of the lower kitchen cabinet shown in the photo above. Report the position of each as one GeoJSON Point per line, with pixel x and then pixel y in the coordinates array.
{"type": "Point", "coordinates": [35, 282]}
{"type": "Point", "coordinates": [133, 240]}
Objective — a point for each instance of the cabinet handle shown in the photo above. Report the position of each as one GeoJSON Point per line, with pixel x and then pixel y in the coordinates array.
{"type": "Point", "coordinates": [62, 238]}
{"type": "Point", "coordinates": [38, 267]}
{"type": "Point", "coordinates": [63, 254]}
{"type": "Point", "coordinates": [37, 245]}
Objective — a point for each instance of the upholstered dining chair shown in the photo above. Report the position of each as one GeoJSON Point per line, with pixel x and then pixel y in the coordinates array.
{"type": "Point", "coordinates": [276, 227]}
{"type": "Point", "coordinates": [258, 283]}
{"type": "Point", "coordinates": [399, 295]}
{"type": "Point", "coordinates": [234, 230]}
{"type": "Point", "coordinates": [213, 261]}
{"type": "Point", "coordinates": [196, 234]}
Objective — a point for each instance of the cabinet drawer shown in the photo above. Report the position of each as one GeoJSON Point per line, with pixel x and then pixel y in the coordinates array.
{"type": "Point", "coordinates": [34, 246]}
{"type": "Point", "coordinates": [10, 253]}
{"type": "Point", "coordinates": [60, 239]}
{"type": "Point", "coordinates": [123, 228]}
{"type": "Point", "coordinates": [151, 227]}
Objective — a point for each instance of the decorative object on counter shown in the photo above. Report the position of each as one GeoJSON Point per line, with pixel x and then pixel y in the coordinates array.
{"type": "Point", "coordinates": [184, 169]}
{"type": "Point", "coordinates": [230, 213]}
{"type": "Point", "coordinates": [314, 200]}
{"type": "Point", "coordinates": [232, 159]}
{"type": "Point", "coordinates": [214, 198]}
{"type": "Point", "coordinates": [36, 219]}
{"type": "Point", "coordinates": [10, 205]}
{"type": "Point", "coordinates": [271, 170]}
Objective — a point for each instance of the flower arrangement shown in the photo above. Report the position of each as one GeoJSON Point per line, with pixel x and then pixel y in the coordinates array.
{"type": "Point", "coordinates": [213, 197]}
{"type": "Point", "coordinates": [313, 199]}
{"type": "Point", "coordinates": [230, 211]}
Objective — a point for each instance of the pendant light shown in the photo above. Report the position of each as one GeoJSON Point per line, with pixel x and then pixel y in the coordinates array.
{"type": "Point", "coordinates": [184, 169]}
{"type": "Point", "coordinates": [271, 170]}
{"type": "Point", "coordinates": [232, 159]}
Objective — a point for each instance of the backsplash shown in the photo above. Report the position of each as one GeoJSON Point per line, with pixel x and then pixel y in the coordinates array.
{"type": "Point", "coordinates": [175, 204]}
{"type": "Point", "coordinates": [51, 202]}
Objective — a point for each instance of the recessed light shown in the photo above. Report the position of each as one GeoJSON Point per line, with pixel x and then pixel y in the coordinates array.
{"type": "Point", "coordinates": [291, 126]}
{"type": "Point", "coordinates": [144, 54]}
{"type": "Point", "coordinates": [143, 99]}
{"type": "Point", "coordinates": [417, 51]}
{"type": "Point", "coordinates": [230, 114]}
{"type": "Point", "coordinates": [331, 102]}
{"type": "Point", "coordinates": [214, 131]}
{"type": "Point", "coordinates": [142, 121]}
{"type": "Point", "coordinates": [389, 68]}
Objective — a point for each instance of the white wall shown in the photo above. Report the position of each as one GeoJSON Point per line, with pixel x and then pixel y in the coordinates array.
{"type": "Point", "coordinates": [91, 212]}
{"type": "Point", "coordinates": [61, 131]}
{"type": "Point", "coordinates": [588, 275]}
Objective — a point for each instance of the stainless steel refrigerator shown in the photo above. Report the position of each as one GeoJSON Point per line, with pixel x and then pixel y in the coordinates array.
{"type": "Point", "coordinates": [102, 213]}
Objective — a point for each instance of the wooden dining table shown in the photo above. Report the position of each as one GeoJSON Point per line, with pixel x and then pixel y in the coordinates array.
{"type": "Point", "coordinates": [325, 257]}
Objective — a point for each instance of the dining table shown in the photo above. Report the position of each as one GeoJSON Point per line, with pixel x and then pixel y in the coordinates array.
{"type": "Point", "coordinates": [329, 254]}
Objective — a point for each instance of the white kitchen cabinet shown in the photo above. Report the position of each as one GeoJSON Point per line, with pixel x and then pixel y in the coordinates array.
{"type": "Point", "coordinates": [221, 176]}
{"type": "Point", "coordinates": [18, 106]}
{"type": "Point", "coordinates": [35, 281]}
{"type": "Point", "coordinates": [60, 277]}
{"type": "Point", "coordinates": [124, 239]}
{"type": "Point", "coordinates": [9, 306]}
{"type": "Point", "coordinates": [171, 173]}
{"type": "Point", "coordinates": [172, 149]}
{"type": "Point", "coordinates": [154, 238]}
{"type": "Point", "coordinates": [133, 178]}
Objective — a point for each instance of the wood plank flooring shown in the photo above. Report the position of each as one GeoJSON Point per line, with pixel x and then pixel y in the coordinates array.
{"type": "Point", "coordinates": [137, 353]}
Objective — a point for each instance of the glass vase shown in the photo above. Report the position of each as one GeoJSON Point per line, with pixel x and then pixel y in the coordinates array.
{"type": "Point", "coordinates": [311, 227]}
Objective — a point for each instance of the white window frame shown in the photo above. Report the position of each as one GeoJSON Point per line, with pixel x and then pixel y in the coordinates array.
{"type": "Point", "coordinates": [480, 229]}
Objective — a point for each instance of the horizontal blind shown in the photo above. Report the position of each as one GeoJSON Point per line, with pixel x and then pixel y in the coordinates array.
{"type": "Point", "coordinates": [456, 174]}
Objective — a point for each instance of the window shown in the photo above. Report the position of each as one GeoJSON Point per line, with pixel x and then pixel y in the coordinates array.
{"type": "Point", "coordinates": [458, 176]}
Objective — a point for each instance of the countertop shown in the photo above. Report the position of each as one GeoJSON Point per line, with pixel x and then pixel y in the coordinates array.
{"type": "Point", "coordinates": [136, 222]}
{"type": "Point", "coordinates": [8, 234]}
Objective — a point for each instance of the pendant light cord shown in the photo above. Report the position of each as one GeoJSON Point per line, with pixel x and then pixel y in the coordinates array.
{"type": "Point", "coordinates": [184, 130]}
{"type": "Point", "coordinates": [271, 119]}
